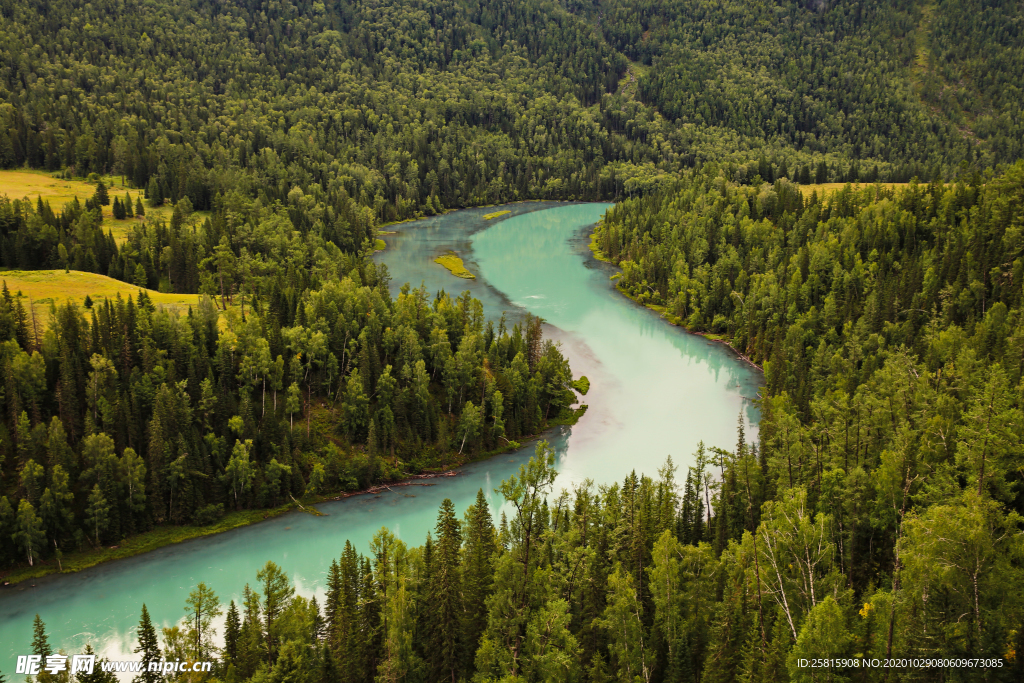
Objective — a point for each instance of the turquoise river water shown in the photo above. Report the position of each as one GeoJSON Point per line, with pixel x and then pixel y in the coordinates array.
{"type": "Point", "coordinates": [655, 391]}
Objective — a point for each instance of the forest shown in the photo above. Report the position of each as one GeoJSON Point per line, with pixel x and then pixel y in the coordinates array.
{"type": "Point", "coordinates": [877, 513]}
{"type": "Point", "coordinates": [130, 416]}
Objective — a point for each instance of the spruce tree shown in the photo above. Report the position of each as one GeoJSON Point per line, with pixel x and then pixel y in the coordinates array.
{"type": "Point", "coordinates": [98, 675]}
{"type": "Point", "coordinates": [477, 574]}
{"type": "Point", "coordinates": [40, 643]}
{"type": "Point", "coordinates": [347, 616]}
{"type": "Point", "coordinates": [149, 648]}
{"type": "Point", "coordinates": [232, 628]}
{"type": "Point", "coordinates": [446, 597]}
{"type": "Point", "coordinates": [101, 196]}
{"type": "Point", "coordinates": [140, 210]}
{"type": "Point", "coordinates": [317, 626]}
{"type": "Point", "coordinates": [332, 603]}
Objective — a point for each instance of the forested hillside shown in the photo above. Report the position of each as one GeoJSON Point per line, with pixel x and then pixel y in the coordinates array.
{"type": "Point", "coordinates": [323, 122]}
{"type": "Point", "coordinates": [922, 86]}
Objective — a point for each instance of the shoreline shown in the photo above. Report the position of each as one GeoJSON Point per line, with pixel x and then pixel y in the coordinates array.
{"type": "Point", "coordinates": [662, 311]}
{"type": "Point", "coordinates": [164, 536]}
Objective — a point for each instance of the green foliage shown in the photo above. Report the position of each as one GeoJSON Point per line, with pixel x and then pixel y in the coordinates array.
{"type": "Point", "coordinates": [148, 418]}
{"type": "Point", "coordinates": [148, 648]}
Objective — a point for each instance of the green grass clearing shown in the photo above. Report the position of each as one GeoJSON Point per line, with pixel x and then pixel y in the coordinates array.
{"type": "Point", "coordinates": [496, 214]}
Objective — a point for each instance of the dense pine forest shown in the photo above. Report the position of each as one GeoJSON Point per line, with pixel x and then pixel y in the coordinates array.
{"type": "Point", "coordinates": [878, 514]}
{"type": "Point", "coordinates": [134, 416]}
{"type": "Point", "coordinates": [879, 511]}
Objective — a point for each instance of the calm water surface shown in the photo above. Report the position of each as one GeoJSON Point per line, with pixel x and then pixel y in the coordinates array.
{"type": "Point", "coordinates": [655, 391]}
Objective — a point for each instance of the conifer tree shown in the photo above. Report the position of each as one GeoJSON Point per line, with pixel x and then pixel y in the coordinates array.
{"type": "Point", "coordinates": [40, 643]}
{"type": "Point", "coordinates": [98, 675]}
{"type": "Point", "coordinates": [102, 196]}
{"type": "Point", "coordinates": [148, 648]}
{"type": "Point", "coordinates": [232, 628]}
{"type": "Point", "coordinates": [446, 597]}
{"type": "Point", "coordinates": [477, 574]}
{"type": "Point", "coordinates": [346, 619]}
{"type": "Point", "coordinates": [277, 591]}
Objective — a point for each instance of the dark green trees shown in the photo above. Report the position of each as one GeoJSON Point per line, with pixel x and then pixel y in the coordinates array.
{"type": "Point", "coordinates": [148, 648]}
{"type": "Point", "coordinates": [477, 574]}
{"type": "Point", "coordinates": [446, 598]}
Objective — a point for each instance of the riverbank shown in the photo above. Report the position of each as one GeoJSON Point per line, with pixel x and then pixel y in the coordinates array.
{"type": "Point", "coordinates": [663, 311]}
{"type": "Point", "coordinates": [79, 560]}
{"type": "Point", "coordinates": [160, 537]}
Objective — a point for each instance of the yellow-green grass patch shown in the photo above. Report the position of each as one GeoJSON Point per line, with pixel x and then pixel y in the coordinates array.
{"type": "Point", "coordinates": [43, 287]}
{"type": "Point", "coordinates": [496, 214]}
{"type": "Point", "coordinates": [824, 189]}
{"type": "Point", "coordinates": [454, 264]}
{"type": "Point", "coordinates": [33, 185]}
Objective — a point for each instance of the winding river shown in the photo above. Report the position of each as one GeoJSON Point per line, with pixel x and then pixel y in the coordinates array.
{"type": "Point", "coordinates": [655, 391]}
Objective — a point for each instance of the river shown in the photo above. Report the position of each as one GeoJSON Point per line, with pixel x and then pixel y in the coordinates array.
{"type": "Point", "coordinates": [655, 391]}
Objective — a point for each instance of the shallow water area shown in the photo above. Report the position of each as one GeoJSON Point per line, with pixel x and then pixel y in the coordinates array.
{"type": "Point", "coordinates": [655, 391]}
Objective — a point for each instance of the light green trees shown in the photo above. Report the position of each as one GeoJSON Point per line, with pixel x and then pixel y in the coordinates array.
{"type": "Point", "coordinates": [518, 585]}
{"type": "Point", "coordinates": [28, 531]}
{"type": "Point", "coordinates": [824, 635]}
{"type": "Point", "coordinates": [392, 580]}
{"type": "Point", "coordinates": [624, 622]}
{"type": "Point", "coordinates": [97, 513]}
{"type": "Point", "coordinates": [239, 471]}
{"type": "Point", "coordinates": [795, 555]}
{"type": "Point", "coordinates": [201, 608]}
{"type": "Point", "coordinates": [133, 478]}
{"type": "Point", "coordinates": [963, 556]}
{"type": "Point", "coordinates": [277, 592]}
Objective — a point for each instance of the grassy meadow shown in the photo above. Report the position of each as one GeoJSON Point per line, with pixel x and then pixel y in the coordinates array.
{"type": "Point", "coordinates": [824, 189]}
{"type": "Point", "coordinates": [22, 184]}
{"type": "Point", "coordinates": [43, 287]}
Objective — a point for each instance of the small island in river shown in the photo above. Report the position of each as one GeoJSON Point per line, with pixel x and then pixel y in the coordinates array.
{"type": "Point", "coordinates": [454, 264]}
